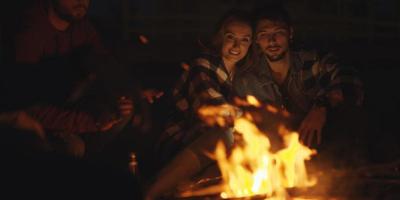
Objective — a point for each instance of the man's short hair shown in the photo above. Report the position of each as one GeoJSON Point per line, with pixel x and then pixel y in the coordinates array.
{"type": "Point", "coordinates": [273, 12]}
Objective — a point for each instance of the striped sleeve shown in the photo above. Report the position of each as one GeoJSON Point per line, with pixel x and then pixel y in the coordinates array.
{"type": "Point", "coordinates": [206, 82]}
{"type": "Point", "coordinates": [331, 75]}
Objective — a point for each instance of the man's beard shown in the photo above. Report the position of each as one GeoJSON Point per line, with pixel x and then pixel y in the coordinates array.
{"type": "Point", "coordinates": [275, 58]}
{"type": "Point", "coordinates": [69, 17]}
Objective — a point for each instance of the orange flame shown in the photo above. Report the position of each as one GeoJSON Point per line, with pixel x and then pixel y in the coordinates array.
{"type": "Point", "coordinates": [252, 169]}
{"type": "Point", "coordinates": [253, 101]}
{"type": "Point", "coordinates": [272, 109]}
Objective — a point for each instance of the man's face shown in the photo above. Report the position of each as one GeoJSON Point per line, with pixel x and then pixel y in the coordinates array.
{"type": "Point", "coordinates": [273, 39]}
{"type": "Point", "coordinates": [72, 9]}
{"type": "Point", "coordinates": [236, 41]}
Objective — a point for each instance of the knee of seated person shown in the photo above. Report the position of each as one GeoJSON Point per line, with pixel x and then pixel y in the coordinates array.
{"type": "Point", "coordinates": [207, 143]}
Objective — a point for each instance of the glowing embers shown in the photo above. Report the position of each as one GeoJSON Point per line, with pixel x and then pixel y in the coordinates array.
{"type": "Point", "coordinates": [252, 169]}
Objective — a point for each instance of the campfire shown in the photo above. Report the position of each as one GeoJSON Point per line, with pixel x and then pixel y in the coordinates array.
{"type": "Point", "coordinates": [251, 168]}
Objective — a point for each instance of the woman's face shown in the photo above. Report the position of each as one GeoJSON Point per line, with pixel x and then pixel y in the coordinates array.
{"type": "Point", "coordinates": [236, 41]}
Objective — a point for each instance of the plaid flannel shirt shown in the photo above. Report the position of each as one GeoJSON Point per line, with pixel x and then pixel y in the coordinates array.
{"type": "Point", "coordinates": [206, 82]}
{"type": "Point", "coordinates": [309, 79]}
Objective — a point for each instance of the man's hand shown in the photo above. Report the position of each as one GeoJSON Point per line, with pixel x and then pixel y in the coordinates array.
{"type": "Point", "coordinates": [151, 94]}
{"type": "Point", "coordinates": [23, 121]}
{"type": "Point", "coordinates": [312, 125]}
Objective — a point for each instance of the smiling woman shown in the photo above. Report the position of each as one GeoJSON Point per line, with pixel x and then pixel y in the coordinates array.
{"type": "Point", "coordinates": [236, 42]}
{"type": "Point", "coordinates": [232, 40]}
{"type": "Point", "coordinates": [208, 81]}
{"type": "Point", "coordinates": [210, 77]}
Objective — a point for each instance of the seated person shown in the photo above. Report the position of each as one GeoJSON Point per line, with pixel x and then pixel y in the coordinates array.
{"type": "Point", "coordinates": [64, 78]}
{"type": "Point", "coordinates": [208, 81]}
{"type": "Point", "coordinates": [306, 84]}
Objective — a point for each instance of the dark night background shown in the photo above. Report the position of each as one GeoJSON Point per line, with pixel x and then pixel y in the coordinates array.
{"type": "Point", "coordinates": [364, 33]}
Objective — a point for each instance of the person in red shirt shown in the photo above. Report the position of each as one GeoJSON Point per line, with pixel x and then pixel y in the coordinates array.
{"type": "Point", "coordinates": [64, 78]}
